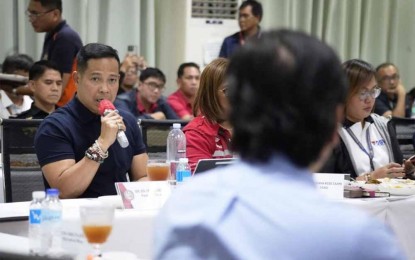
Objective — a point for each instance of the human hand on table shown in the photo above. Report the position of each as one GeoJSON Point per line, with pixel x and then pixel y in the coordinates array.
{"type": "Point", "coordinates": [390, 170]}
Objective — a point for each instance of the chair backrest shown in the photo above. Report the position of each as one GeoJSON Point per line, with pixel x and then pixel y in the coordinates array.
{"type": "Point", "coordinates": [405, 129]}
{"type": "Point", "coordinates": [155, 134]}
{"type": "Point", "coordinates": [21, 170]}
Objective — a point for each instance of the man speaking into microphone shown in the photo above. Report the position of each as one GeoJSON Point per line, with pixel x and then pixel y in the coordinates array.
{"type": "Point", "coordinates": [77, 145]}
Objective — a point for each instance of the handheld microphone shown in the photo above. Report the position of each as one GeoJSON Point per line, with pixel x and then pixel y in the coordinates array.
{"type": "Point", "coordinates": [105, 106]}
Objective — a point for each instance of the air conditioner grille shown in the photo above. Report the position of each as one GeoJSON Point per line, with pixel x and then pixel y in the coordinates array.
{"type": "Point", "coordinates": [215, 9]}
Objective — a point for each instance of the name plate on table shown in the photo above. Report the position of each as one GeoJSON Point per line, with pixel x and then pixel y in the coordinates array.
{"type": "Point", "coordinates": [145, 195]}
{"type": "Point", "coordinates": [331, 184]}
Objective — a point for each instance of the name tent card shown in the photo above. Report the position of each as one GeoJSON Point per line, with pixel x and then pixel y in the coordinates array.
{"type": "Point", "coordinates": [144, 195]}
{"type": "Point", "coordinates": [331, 184]}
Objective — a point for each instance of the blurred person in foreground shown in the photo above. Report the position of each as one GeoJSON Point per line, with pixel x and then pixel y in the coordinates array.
{"type": "Point", "coordinates": [368, 148]}
{"type": "Point", "coordinates": [45, 80]}
{"type": "Point", "coordinates": [209, 134]}
{"type": "Point", "coordinates": [393, 100]}
{"type": "Point", "coordinates": [77, 147]}
{"type": "Point", "coordinates": [181, 101]}
{"type": "Point", "coordinates": [61, 43]}
{"type": "Point", "coordinates": [286, 93]}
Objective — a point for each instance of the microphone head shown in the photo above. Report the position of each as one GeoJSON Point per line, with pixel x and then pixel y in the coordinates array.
{"type": "Point", "coordinates": [105, 104]}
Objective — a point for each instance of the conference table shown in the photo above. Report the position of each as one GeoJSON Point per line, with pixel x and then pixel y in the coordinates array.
{"type": "Point", "coordinates": [133, 229]}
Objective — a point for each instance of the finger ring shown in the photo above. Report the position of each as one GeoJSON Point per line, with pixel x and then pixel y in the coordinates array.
{"type": "Point", "coordinates": [119, 126]}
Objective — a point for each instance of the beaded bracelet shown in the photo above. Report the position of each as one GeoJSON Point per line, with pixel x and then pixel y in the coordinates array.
{"type": "Point", "coordinates": [95, 153]}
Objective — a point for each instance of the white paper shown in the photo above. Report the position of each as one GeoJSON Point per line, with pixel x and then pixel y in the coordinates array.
{"type": "Point", "coordinates": [330, 184]}
{"type": "Point", "coordinates": [145, 195]}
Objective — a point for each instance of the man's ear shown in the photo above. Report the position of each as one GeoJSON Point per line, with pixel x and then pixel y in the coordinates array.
{"type": "Point", "coordinates": [75, 76]}
{"type": "Point", "coordinates": [31, 85]}
{"type": "Point", "coordinates": [140, 85]}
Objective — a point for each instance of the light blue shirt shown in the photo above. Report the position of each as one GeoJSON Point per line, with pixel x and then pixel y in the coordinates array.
{"type": "Point", "coordinates": [265, 211]}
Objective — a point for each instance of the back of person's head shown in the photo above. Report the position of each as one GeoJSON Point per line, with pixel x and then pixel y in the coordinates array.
{"type": "Point", "coordinates": [183, 66]}
{"type": "Point", "coordinates": [51, 4]}
{"type": "Point", "coordinates": [38, 69]}
{"type": "Point", "coordinates": [256, 8]}
{"type": "Point", "coordinates": [207, 98]}
{"type": "Point", "coordinates": [94, 51]}
{"type": "Point", "coordinates": [286, 91]}
{"type": "Point", "coordinates": [150, 72]}
{"type": "Point", "coordinates": [358, 73]}
{"type": "Point", "coordinates": [16, 62]}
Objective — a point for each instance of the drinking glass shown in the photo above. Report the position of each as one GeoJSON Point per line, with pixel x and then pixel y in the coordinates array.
{"type": "Point", "coordinates": [158, 170]}
{"type": "Point", "coordinates": [96, 222]}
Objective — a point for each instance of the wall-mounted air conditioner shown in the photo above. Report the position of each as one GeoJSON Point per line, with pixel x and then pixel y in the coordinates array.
{"type": "Point", "coordinates": [208, 22]}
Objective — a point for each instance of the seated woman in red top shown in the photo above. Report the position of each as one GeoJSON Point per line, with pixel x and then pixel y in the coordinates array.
{"type": "Point", "coordinates": [209, 134]}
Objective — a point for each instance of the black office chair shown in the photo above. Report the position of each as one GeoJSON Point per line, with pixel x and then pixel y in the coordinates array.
{"type": "Point", "coordinates": [405, 129]}
{"type": "Point", "coordinates": [155, 134]}
{"type": "Point", "coordinates": [21, 170]}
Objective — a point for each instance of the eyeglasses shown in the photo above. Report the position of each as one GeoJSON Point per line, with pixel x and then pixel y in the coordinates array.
{"type": "Point", "coordinates": [153, 86]}
{"type": "Point", "coordinates": [365, 94]}
{"type": "Point", "coordinates": [389, 78]}
{"type": "Point", "coordinates": [35, 15]}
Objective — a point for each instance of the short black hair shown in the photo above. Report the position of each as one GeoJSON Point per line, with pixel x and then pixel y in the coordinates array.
{"type": "Point", "coordinates": [150, 72]}
{"type": "Point", "coordinates": [255, 6]}
{"type": "Point", "coordinates": [51, 4]}
{"type": "Point", "coordinates": [95, 51]}
{"type": "Point", "coordinates": [182, 66]}
{"type": "Point", "coordinates": [284, 91]}
{"type": "Point", "coordinates": [16, 62]}
{"type": "Point", "coordinates": [39, 67]}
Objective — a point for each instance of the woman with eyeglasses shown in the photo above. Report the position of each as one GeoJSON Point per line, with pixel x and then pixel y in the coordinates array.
{"type": "Point", "coordinates": [209, 134]}
{"type": "Point", "coordinates": [368, 146]}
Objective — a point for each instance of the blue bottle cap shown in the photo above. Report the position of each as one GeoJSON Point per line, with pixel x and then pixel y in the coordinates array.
{"type": "Point", "coordinates": [52, 192]}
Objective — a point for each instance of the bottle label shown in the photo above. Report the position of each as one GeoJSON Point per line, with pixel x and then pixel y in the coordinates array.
{"type": "Point", "coordinates": [35, 216]}
{"type": "Point", "coordinates": [183, 175]}
{"type": "Point", "coordinates": [51, 216]}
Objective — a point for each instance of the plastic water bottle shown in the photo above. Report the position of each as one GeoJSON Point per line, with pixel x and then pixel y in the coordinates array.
{"type": "Point", "coordinates": [183, 171]}
{"type": "Point", "coordinates": [176, 148]}
{"type": "Point", "coordinates": [35, 219]}
{"type": "Point", "coordinates": [51, 223]}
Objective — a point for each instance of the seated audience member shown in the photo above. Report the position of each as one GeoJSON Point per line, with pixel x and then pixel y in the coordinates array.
{"type": "Point", "coordinates": [130, 68]}
{"type": "Point", "coordinates": [147, 101]}
{"type": "Point", "coordinates": [188, 77]}
{"type": "Point", "coordinates": [286, 93]}
{"type": "Point", "coordinates": [12, 104]}
{"type": "Point", "coordinates": [209, 134]}
{"type": "Point", "coordinates": [45, 80]}
{"type": "Point", "coordinates": [411, 99]}
{"type": "Point", "coordinates": [392, 101]}
{"type": "Point", "coordinates": [368, 146]}
{"type": "Point", "coordinates": [77, 147]}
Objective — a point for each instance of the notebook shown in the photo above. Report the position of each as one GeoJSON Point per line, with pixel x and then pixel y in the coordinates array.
{"type": "Point", "coordinates": [208, 164]}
